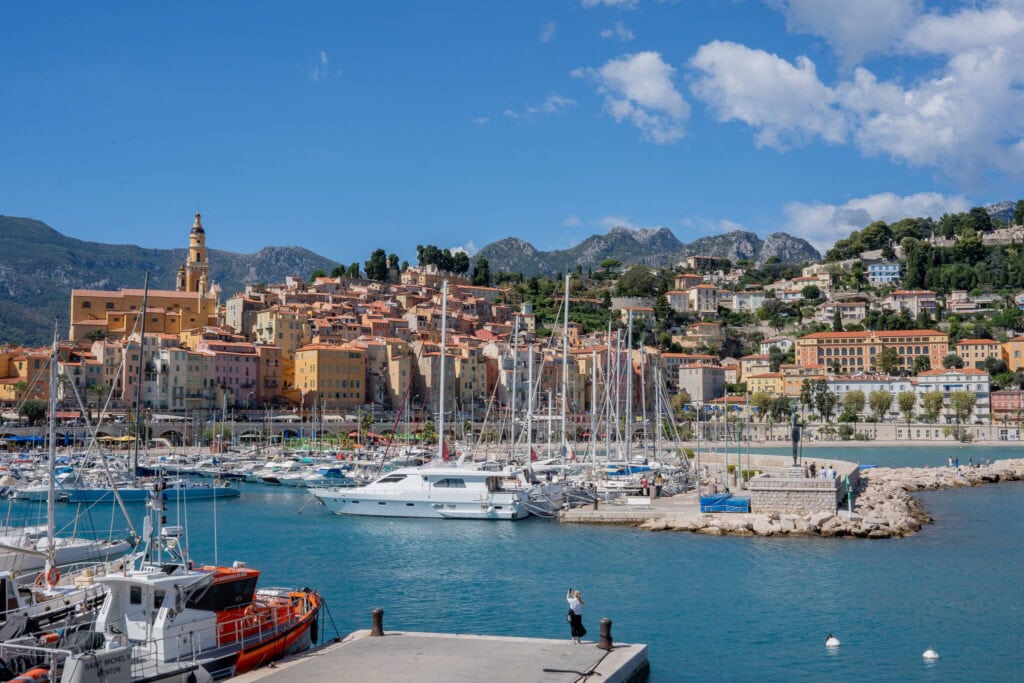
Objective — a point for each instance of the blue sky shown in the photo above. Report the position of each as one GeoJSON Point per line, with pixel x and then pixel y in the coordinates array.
{"type": "Point", "coordinates": [342, 127]}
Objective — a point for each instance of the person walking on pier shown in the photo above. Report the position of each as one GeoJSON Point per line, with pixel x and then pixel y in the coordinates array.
{"type": "Point", "coordinates": [575, 615]}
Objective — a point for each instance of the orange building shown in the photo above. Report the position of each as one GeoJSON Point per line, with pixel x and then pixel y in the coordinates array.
{"type": "Point", "coordinates": [975, 352]}
{"type": "Point", "coordinates": [857, 351]}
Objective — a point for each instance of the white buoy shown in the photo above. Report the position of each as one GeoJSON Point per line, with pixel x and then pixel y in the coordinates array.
{"type": "Point", "coordinates": [831, 641]}
{"type": "Point", "coordinates": [930, 654]}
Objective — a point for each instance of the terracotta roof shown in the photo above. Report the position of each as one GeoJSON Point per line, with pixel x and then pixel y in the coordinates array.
{"type": "Point", "coordinates": [954, 371]}
{"type": "Point", "coordinates": [984, 342]}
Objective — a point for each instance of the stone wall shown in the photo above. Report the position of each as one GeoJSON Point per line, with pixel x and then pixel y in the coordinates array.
{"type": "Point", "coordinates": [795, 496]}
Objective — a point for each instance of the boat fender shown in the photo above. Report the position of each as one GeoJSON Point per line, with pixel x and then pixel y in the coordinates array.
{"type": "Point", "coordinates": [930, 654]}
{"type": "Point", "coordinates": [314, 631]}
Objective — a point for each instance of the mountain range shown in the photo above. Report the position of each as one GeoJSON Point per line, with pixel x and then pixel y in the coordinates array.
{"type": "Point", "coordinates": [657, 247]}
{"type": "Point", "coordinates": [39, 267]}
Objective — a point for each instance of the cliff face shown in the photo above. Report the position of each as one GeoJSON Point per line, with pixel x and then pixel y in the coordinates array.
{"type": "Point", "coordinates": [39, 267]}
{"type": "Point", "coordinates": [651, 247]}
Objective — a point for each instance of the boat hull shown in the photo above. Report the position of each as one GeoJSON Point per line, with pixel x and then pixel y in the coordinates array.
{"type": "Point", "coordinates": [369, 505]}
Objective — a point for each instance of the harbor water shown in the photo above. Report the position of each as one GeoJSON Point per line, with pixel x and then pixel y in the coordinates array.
{"type": "Point", "coordinates": [710, 608]}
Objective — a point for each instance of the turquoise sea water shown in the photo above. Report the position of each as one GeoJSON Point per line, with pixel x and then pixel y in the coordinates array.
{"type": "Point", "coordinates": [724, 609]}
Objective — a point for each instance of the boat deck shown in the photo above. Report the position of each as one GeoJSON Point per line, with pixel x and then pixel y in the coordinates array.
{"type": "Point", "coordinates": [413, 657]}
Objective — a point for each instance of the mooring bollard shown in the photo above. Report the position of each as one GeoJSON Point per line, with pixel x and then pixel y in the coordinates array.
{"type": "Point", "coordinates": [605, 640]}
{"type": "Point", "coordinates": [378, 622]}
{"type": "Point", "coordinates": [595, 501]}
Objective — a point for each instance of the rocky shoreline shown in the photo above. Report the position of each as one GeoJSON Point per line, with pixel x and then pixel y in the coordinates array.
{"type": "Point", "coordinates": [883, 507]}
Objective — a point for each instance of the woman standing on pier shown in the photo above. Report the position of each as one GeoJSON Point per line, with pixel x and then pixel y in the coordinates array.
{"type": "Point", "coordinates": [575, 616]}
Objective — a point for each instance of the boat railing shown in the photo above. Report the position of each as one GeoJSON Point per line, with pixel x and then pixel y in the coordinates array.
{"type": "Point", "coordinates": [22, 654]}
{"type": "Point", "coordinates": [269, 614]}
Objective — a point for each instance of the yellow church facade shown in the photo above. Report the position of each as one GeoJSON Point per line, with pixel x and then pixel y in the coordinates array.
{"type": "Point", "coordinates": [115, 314]}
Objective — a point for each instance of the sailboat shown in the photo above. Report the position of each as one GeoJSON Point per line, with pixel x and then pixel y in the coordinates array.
{"type": "Point", "coordinates": [47, 600]}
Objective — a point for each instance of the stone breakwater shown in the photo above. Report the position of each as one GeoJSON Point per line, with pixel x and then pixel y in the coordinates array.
{"type": "Point", "coordinates": [883, 507]}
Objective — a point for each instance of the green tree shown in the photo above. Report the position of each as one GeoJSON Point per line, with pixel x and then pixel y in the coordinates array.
{"type": "Point", "coordinates": [377, 266]}
{"type": "Point", "coordinates": [662, 311]}
{"type": "Point", "coordinates": [888, 360]}
{"type": "Point", "coordinates": [338, 271]}
{"type": "Point", "coordinates": [680, 401]}
{"type": "Point", "coordinates": [460, 263]}
{"type": "Point", "coordinates": [880, 402]}
{"type": "Point", "coordinates": [780, 409]}
{"type": "Point", "coordinates": [807, 394]}
{"type": "Point", "coordinates": [428, 434]}
{"type": "Point", "coordinates": [1018, 212]}
{"type": "Point", "coordinates": [610, 264]}
{"type": "Point", "coordinates": [962, 403]}
{"type": "Point", "coordinates": [20, 387]}
{"type": "Point", "coordinates": [932, 403]}
{"type": "Point", "coordinates": [824, 401]}
{"type": "Point", "coordinates": [393, 261]}
{"type": "Point", "coordinates": [837, 320]}
{"type": "Point", "coordinates": [952, 361]}
{"type": "Point", "coordinates": [979, 220]}
{"type": "Point", "coordinates": [33, 410]}
{"type": "Point", "coordinates": [810, 292]}
{"type": "Point", "coordinates": [922, 364]}
{"type": "Point", "coordinates": [760, 401]}
{"type": "Point", "coordinates": [907, 401]}
{"type": "Point", "coordinates": [353, 271]}
{"type": "Point", "coordinates": [365, 423]}
{"type": "Point", "coordinates": [482, 273]}
{"type": "Point", "coordinates": [637, 281]}
{"type": "Point", "coordinates": [853, 402]}
{"type": "Point", "coordinates": [317, 272]}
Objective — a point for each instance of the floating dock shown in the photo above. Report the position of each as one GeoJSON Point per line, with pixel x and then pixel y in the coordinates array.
{"type": "Point", "coordinates": [414, 657]}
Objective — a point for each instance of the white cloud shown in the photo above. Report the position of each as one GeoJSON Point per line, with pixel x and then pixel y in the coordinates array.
{"type": "Point", "coordinates": [638, 88]}
{"type": "Point", "coordinates": [621, 4]}
{"type": "Point", "coordinates": [481, 120]}
{"type": "Point", "coordinates": [968, 29]}
{"type": "Point", "coordinates": [547, 31]}
{"type": "Point", "coordinates": [618, 31]}
{"type": "Point", "coordinates": [572, 221]}
{"type": "Point", "coordinates": [823, 224]}
{"type": "Point", "coordinates": [468, 248]}
{"type": "Point", "coordinates": [962, 116]}
{"type": "Point", "coordinates": [786, 104]}
{"type": "Point", "coordinates": [854, 28]}
{"type": "Point", "coordinates": [323, 69]}
{"type": "Point", "coordinates": [552, 104]}
{"type": "Point", "coordinates": [624, 222]}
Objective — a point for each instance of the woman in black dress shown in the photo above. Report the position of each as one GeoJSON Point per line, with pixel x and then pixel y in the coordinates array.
{"type": "Point", "coordinates": [575, 615]}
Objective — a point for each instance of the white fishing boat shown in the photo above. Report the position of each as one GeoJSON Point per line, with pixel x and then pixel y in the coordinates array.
{"type": "Point", "coordinates": [431, 492]}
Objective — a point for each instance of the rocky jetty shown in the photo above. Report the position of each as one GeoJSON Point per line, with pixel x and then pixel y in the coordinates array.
{"type": "Point", "coordinates": [883, 507]}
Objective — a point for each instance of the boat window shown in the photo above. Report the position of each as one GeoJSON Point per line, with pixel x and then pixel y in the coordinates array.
{"type": "Point", "coordinates": [135, 595]}
{"type": "Point", "coordinates": [391, 479]}
{"type": "Point", "coordinates": [158, 599]}
{"type": "Point", "coordinates": [224, 595]}
{"type": "Point", "coordinates": [450, 484]}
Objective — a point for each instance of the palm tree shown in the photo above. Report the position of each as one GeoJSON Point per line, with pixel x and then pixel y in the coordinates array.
{"type": "Point", "coordinates": [365, 423]}
{"type": "Point", "coordinates": [99, 392]}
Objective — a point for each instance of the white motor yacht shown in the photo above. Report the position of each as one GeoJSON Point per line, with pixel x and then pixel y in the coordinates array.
{"type": "Point", "coordinates": [432, 492]}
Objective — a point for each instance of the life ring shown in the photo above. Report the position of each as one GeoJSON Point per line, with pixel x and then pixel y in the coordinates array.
{"type": "Point", "coordinates": [49, 578]}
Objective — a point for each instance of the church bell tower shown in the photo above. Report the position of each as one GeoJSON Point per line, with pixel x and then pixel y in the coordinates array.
{"type": "Point", "coordinates": [197, 269]}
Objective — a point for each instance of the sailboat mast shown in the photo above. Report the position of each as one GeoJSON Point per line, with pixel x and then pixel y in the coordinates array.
{"type": "Point", "coordinates": [565, 365]}
{"type": "Point", "coordinates": [629, 385]}
{"type": "Point", "coordinates": [444, 353]}
{"type": "Point", "coordinates": [515, 387]}
{"type": "Point", "coordinates": [138, 380]}
{"type": "Point", "coordinates": [608, 393]}
{"type": "Point", "coordinates": [51, 543]}
{"type": "Point", "coordinates": [593, 405]}
{"type": "Point", "coordinates": [643, 394]}
{"type": "Point", "coordinates": [529, 412]}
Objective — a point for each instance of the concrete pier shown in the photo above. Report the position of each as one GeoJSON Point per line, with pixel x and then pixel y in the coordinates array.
{"type": "Point", "coordinates": [429, 657]}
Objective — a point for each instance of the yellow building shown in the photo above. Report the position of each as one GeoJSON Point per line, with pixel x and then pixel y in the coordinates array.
{"type": "Point", "coordinates": [115, 314]}
{"type": "Point", "coordinates": [771, 383]}
{"type": "Point", "coordinates": [334, 375]}
{"type": "Point", "coordinates": [1013, 354]}
{"type": "Point", "coordinates": [975, 352]}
